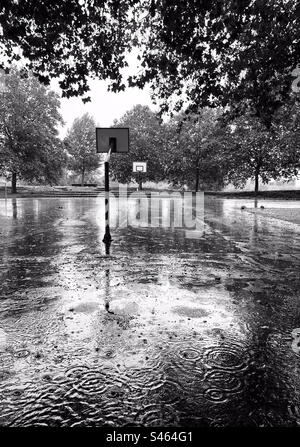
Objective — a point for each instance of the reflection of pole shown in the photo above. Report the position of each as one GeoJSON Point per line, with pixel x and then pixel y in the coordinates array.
{"type": "Point", "coordinates": [107, 246]}
{"type": "Point", "coordinates": [107, 291]}
{"type": "Point", "coordinates": [107, 236]}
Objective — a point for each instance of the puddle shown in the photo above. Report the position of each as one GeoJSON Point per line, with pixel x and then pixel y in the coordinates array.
{"type": "Point", "coordinates": [166, 330]}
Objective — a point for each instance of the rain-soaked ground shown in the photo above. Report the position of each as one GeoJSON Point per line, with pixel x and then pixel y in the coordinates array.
{"type": "Point", "coordinates": [165, 331]}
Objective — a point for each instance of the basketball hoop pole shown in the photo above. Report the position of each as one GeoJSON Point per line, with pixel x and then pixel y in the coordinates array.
{"type": "Point", "coordinates": [108, 140]}
{"type": "Point", "coordinates": [107, 236]}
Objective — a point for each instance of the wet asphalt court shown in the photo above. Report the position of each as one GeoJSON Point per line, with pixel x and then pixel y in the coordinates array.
{"type": "Point", "coordinates": [165, 331]}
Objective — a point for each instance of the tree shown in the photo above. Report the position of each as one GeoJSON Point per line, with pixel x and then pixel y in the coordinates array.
{"type": "Point", "coordinates": [147, 143]}
{"type": "Point", "coordinates": [70, 40]}
{"type": "Point", "coordinates": [253, 151]}
{"type": "Point", "coordinates": [29, 115]}
{"type": "Point", "coordinates": [238, 54]}
{"type": "Point", "coordinates": [80, 144]}
{"type": "Point", "coordinates": [194, 151]}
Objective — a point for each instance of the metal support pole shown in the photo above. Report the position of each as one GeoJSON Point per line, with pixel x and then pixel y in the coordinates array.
{"type": "Point", "coordinates": [107, 236]}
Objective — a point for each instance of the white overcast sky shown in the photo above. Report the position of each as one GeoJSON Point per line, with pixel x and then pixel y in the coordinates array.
{"type": "Point", "coordinates": [104, 106]}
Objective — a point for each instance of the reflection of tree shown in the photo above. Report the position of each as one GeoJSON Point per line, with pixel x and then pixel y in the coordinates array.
{"type": "Point", "coordinates": [15, 208]}
{"type": "Point", "coordinates": [269, 381]}
{"type": "Point", "coordinates": [30, 244]}
{"type": "Point", "coordinates": [265, 310]}
{"type": "Point", "coordinates": [254, 231]}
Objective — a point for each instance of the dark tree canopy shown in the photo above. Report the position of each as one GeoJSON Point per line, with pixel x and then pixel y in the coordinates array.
{"type": "Point", "coordinates": [237, 53]}
{"type": "Point", "coordinates": [69, 39]}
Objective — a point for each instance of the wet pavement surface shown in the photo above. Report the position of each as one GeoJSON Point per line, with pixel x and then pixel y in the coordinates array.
{"type": "Point", "coordinates": [165, 331]}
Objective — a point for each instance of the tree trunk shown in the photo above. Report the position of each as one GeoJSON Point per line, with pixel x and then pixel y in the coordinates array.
{"type": "Point", "coordinates": [197, 180]}
{"type": "Point", "coordinates": [256, 181]}
{"type": "Point", "coordinates": [82, 178]}
{"type": "Point", "coordinates": [14, 182]}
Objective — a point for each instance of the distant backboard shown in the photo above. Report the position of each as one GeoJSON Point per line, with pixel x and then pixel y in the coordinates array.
{"type": "Point", "coordinates": [114, 138]}
{"type": "Point", "coordinates": [139, 166]}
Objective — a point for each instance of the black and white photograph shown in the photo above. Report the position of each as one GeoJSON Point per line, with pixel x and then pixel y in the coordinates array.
{"type": "Point", "coordinates": [149, 217]}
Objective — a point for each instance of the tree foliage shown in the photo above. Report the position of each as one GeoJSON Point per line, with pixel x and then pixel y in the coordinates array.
{"type": "Point", "coordinates": [193, 155]}
{"type": "Point", "coordinates": [71, 40]}
{"type": "Point", "coordinates": [204, 151]}
{"type": "Point", "coordinates": [80, 144]}
{"type": "Point", "coordinates": [180, 151]}
{"type": "Point", "coordinates": [253, 151]}
{"type": "Point", "coordinates": [147, 144]}
{"type": "Point", "coordinates": [29, 114]}
{"type": "Point", "coordinates": [238, 54]}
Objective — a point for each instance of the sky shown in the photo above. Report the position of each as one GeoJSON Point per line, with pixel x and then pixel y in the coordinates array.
{"type": "Point", "coordinates": [104, 106]}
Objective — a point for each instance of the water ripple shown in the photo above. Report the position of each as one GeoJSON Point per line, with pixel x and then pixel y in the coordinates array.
{"type": "Point", "coordinates": [224, 380]}
{"type": "Point", "coordinates": [215, 395]}
{"type": "Point", "coordinates": [226, 357]}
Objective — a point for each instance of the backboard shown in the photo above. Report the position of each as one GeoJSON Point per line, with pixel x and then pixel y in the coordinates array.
{"type": "Point", "coordinates": [114, 138]}
{"type": "Point", "coordinates": [139, 166]}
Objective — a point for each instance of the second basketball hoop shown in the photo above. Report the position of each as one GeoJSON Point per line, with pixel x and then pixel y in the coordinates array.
{"type": "Point", "coordinates": [139, 166]}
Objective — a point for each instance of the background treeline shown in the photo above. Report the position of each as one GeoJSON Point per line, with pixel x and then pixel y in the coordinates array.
{"type": "Point", "coordinates": [203, 149]}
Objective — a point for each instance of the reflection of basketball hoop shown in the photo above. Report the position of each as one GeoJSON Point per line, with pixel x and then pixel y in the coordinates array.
{"type": "Point", "coordinates": [139, 166]}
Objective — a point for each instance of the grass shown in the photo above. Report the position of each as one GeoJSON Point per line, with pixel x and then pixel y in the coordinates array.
{"type": "Point", "coordinates": [293, 194]}
{"type": "Point", "coordinates": [28, 191]}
